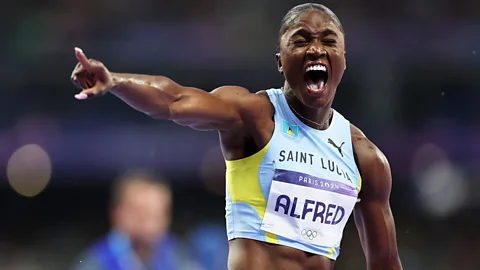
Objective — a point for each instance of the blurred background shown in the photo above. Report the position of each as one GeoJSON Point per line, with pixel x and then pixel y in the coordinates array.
{"type": "Point", "coordinates": [411, 85]}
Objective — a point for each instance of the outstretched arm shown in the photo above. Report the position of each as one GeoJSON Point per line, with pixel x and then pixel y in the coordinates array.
{"type": "Point", "coordinates": [373, 215]}
{"type": "Point", "coordinates": [162, 98]}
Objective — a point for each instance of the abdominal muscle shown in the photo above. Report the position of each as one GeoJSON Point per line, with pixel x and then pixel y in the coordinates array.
{"type": "Point", "coordinates": [247, 254]}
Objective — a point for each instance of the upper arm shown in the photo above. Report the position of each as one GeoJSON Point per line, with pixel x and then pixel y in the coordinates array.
{"type": "Point", "coordinates": [217, 110]}
{"type": "Point", "coordinates": [372, 214]}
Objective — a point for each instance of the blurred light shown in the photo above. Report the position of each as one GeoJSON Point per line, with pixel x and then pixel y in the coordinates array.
{"type": "Point", "coordinates": [427, 155]}
{"type": "Point", "coordinates": [442, 187]}
{"type": "Point", "coordinates": [212, 171]}
{"type": "Point", "coordinates": [29, 170]}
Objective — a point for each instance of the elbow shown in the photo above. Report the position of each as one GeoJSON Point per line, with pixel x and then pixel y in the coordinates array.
{"type": "Point", "coordinates": [173, 109]}
{"type": "Point", "coordinates": [160, 112]}
{"type": "Point", "coordinates": [157, 115]}
{"type": "Point", "coordinates": [169, 106]}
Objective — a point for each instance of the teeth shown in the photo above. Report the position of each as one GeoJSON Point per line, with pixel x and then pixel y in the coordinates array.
{"type": "Point", "coordinates": [316, 67]}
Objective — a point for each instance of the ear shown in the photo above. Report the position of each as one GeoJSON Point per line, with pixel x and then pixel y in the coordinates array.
{"type": "Point", "coordinates": [279, 63]}
{"type": "Point", "coordinates": [345, 57]}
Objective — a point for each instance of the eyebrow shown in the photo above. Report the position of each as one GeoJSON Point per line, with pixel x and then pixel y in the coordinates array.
{"type": "Point", "coordinates": [304, 32]}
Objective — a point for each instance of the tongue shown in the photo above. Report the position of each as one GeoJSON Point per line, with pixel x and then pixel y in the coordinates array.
{"type": "Point", "coordinates": [316, 86]}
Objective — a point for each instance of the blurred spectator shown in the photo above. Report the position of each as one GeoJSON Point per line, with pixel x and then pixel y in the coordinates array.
{"type": "Point", "coordinates": [139, 239]}
{"type": "Point", "coordinates": [209, 246]}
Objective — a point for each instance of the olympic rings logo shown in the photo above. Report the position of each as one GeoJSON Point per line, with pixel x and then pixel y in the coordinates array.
{"type": "Point", "coordinates": [309, 234]}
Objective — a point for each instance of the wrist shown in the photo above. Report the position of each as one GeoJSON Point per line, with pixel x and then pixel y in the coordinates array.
{"type": "Point", "coordinates": [116, 81]}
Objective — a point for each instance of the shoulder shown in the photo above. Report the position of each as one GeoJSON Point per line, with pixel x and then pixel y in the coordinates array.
{"type": "Point", "coordinates": [247, 103]}
{"type": "Point", "coordinates": [373, 165]}
{"type": "Point", "coordinates": [169, 241]}
{"type": "Point", "coordinates": [98, 249]}
{"type": "Point", "coordinates": [240, 96]}
{"type": "Point", "coordinates": [230, 91]}
{"type": "Point", "coordinates": [368, 153]}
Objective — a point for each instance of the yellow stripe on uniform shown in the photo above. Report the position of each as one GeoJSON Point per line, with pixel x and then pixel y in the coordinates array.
{"type": "Point", "coordinates": [331, 252]}
{"type": "Point", "coordinates": [359, 184]}
{"type": "Point", "coordinates": [243, 185]}
{"type": "Point", "coordinates": [271, 238]}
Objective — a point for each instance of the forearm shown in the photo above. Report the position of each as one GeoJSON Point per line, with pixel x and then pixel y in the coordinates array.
{"type": "Point", "coordinates": [152, 95]}
{"type": "Point", "coordinates": [162, 98]}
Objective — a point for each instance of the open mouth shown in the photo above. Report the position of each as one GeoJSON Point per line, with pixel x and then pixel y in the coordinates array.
{"type": "Point", "coordinates": [316, 77]}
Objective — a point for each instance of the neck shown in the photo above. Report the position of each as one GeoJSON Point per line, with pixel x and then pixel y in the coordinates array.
{"type": "Point", "coordinates": [318, 118]}
{"type": "Point", "coordinates": [143, 250]}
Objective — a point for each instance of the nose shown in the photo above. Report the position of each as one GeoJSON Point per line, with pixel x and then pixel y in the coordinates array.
{"type": "Point", "coordinates": [316, 51]}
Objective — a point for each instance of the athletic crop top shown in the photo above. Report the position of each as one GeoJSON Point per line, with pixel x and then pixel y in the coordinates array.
{"type": "Point", "coordinates": [299, 190]}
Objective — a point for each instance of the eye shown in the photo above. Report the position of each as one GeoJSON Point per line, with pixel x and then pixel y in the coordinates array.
{"type": "Point", "coordinates": [329, 41]}
{"type": "Point", "coordinates": [300, 42]}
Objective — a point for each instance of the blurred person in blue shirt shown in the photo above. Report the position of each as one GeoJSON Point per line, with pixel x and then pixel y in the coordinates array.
{"type": "Point", "coordinates": [139, 240]}
{"type": "Point", "coordinates": [208, 245]}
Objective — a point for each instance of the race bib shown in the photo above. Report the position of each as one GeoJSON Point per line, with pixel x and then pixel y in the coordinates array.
{"type": "Point", "coordinates": [308, 209]}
